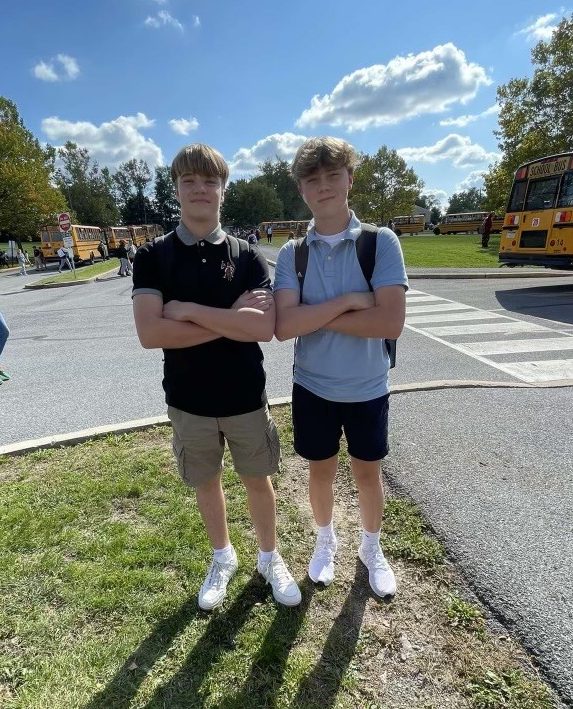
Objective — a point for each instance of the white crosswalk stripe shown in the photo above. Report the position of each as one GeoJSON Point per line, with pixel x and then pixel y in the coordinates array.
{"type": "Point", "coordinates": [435, 319]}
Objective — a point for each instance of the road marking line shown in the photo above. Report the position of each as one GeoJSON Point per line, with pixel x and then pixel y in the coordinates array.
{"type": "Point", "coordinates": [450, 317]}
{"type": "Point", "coordinates": [545, 344]}
{"type": "Point", "coordinates": [486, 328]}
{"type": "Point", "coordinates": [423, 298]}
{"type": "Point", "coordinates": [542, 371]}
{"type": "Point", "coordinates": [438, 307]}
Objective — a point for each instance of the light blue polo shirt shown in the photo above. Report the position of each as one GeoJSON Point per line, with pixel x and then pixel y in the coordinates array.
{"type": "Point", "coordinates": [330, 364]}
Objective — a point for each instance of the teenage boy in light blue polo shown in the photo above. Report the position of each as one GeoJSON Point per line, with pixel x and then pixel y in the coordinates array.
{"type": "Point", "coordinates": [341, 362]}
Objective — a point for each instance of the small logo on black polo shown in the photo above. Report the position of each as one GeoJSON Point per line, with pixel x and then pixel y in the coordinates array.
{"type": "Point", "coordinates": [228, 270]}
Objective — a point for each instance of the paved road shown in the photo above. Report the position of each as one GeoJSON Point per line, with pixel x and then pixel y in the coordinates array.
{"type": "Point", "coordinates": [491, 469]}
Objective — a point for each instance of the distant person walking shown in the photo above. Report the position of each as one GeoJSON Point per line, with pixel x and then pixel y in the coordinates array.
{"type": "Point", "coordinates": [269, 234]}
{"type": "Point", "coordinates": [4, 332]}
{"type": "Point", "coordinates": [64, 259]}
{"type": "Point", "coordinates": [486, 230]}
{"type": "Point", "coordinates": [38, 259]}
{"type": "Point", "coordinates": [21, 256]}
{"type": "Point", "coordinates": [124, 264]}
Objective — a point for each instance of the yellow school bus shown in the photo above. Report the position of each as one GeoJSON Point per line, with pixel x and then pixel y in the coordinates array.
{"type": "Point", "coordinates": [115, 234]}
{"type": "Point", "coordinates": [409, 224]}
{"type": "Point", "coordinates": [284, 228]}
{"type": "Point", "coordinates": [85, 240]}
{"type": "Point", "coordinates": [466, 222]}
{"type": "Point", "coordinates": [538, 226]}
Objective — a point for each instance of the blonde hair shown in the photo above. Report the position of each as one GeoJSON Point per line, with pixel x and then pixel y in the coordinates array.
{"type": "Point", "coordinates": [325, 151]}
{"type": "Point", "coordinates": [199, 159]}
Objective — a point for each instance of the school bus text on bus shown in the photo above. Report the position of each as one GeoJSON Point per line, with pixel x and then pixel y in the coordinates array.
{"type": "Point", "coordinates": [538, 225]}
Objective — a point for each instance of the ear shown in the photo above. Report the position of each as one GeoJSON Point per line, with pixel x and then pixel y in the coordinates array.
{"type": "Point", "coordinates": [350, 181]}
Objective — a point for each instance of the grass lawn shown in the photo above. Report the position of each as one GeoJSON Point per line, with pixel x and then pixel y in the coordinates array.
{"type": "Point", "coordinates": [81, 272]}
{"type": "Point", "coordinates": [455, 251]}
{"type": "Point", "coordinates": [102, 552]}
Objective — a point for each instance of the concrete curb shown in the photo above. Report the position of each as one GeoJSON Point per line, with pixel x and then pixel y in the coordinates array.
{"type": "Point", "coordinates": [65, 284]}
{"type": "Point", "coordinates": [69, 439]}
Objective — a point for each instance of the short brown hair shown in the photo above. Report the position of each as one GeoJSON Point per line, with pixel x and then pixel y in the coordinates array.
{"type": "Point", "coordinates": [199, 159]}
{"type": "Point", "coordinates": [325, 151]}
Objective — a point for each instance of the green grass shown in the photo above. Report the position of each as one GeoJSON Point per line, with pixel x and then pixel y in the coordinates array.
{"type": "Point", "coordinates": [454, 251]}
{"type": "Point", "coordinates": [81, 272]}
{"type": "Point", "coordinates": [102, 551]}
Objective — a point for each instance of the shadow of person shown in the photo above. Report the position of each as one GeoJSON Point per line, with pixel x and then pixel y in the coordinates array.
{"type": "Point", "coordinates": [218, 636]}
{"type": "Point", "coordinates": [320, 688]}
{"type": "Point", "coordinates": [183, 688]}
{"type": "Point", "coordinates": [266, 676]}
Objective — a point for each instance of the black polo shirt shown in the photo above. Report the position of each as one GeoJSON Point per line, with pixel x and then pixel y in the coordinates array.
{"type": "Point", "coordinates": [219, 378]}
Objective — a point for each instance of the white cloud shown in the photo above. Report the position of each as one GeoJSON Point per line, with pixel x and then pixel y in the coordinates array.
{"type": "Point", "coordinates": [407, 86]}
{"type": "Point", "coordinates": [183, 126]}
{"type": "Point", "coordinates": [474, 179]}
{"type": "Point", "coordinates": [281, 145]}
{"type": "Point", "coordinates": [458, 149]}
{"type": "Point", "coordinates": [196, 21]}
{"type": "Point", "coordinates": [57, 68]}
{"type": "Point", "coordinates": [542, 28]}
{"type": "Point", "coordinates": [110, 143]}
{"type": "Point", "coordinates": [162, 19]}
{"type": "Point", "coordinates": [462, 121]}
{"type": "Point", "coordinates": [440, 195]}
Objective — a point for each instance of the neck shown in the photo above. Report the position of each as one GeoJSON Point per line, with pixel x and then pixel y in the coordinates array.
{"type": "Point", "coordinates": [332, 224]}
{"type": "Point", "coordinates": [200, 228]}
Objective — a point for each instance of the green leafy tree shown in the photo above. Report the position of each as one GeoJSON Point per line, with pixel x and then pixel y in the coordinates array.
{"type": "Point", "coordinates": [384, 187]}
{"type": "Point", "coordinates": [87, 187]}
{"type": "Point", "coordinates": [276, 174]}
{"type": "Point", "coordinates": [132, 181]}
{"type": "Point", "coordinates": [466, 201]}
{"type": "Point", "coordinates": [165, 205]}
{"type": "Point", "coordinates": [28, 198]}
{"type": "Point", "coordinates": [248, 203]}
{"type": "Point", "coordinates": [429, 201]}
{"type": "Point", "coordinates": [535, 117]}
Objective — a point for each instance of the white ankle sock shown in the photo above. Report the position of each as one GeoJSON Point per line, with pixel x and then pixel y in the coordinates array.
{"type": "Point", "coordinates": [223, 554]}
{"type": "Point", "coordinates": [370, 538]}
{"type": "Point", "coordinates": [265, 556]}
{"type": "Point", "coordinates": [327, 530]}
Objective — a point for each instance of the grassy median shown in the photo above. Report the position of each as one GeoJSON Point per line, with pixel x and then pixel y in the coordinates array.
{"type": "Point", "coordinates": [101, 555]}
{"type": "Point", "coordinates": [82, 272]}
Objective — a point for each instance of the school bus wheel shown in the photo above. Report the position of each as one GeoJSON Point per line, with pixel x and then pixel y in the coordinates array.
{"type": "Point", "coordinates": [437, 231]}
{"type": "Point", "coordinates": [398, 232]}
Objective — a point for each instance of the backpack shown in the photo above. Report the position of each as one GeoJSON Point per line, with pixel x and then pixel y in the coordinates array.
{"type": "Point", "coordinates": [166, 253]}
{"type": "Point", "coordinates": [366, 254]}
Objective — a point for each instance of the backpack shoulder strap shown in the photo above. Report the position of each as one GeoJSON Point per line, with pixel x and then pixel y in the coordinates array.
{"type": "Point", "coordinates": [165, 249]}
{"type": "Point", "coordinates": [300, 261]}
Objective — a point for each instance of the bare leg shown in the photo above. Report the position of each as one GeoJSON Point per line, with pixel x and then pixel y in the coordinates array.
{"type": "Point", "coordinates": [320, 488]}
{"type": "Point", "coordinates": [261, 497]}
{"type": "Point", "coordinates": [370, 492]}
{"type": "Point", "coordinates": [211, 504]}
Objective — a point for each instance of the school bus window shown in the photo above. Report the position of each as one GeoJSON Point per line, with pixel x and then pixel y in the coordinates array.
{"type": "Point", "coordinates": [517, 196]}
{"type": "Point", "coordinates": [542, 194]}
{"type": "Point", "coordinates": [566, 194]}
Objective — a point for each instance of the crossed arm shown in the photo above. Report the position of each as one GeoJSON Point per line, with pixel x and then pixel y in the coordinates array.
{"type": "Point", "coordinates": [380, 314]}
{"type": "Point", "coordinates": [177, 324]}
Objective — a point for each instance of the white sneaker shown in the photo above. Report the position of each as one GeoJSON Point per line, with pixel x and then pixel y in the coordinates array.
{"type": "Point", "coordinates": [380, 575]}
{"type": "Point", "coordinates": [214, 589]}
{"type": "Point", "coordinates": [275, 572]}
{"type": "Point", "coordinates": [321, 565]}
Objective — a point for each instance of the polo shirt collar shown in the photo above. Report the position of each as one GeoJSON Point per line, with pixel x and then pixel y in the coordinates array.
{"type": "Point", "coordinates": [353, 229]}
{"type": "Point", "coordinates": [215, 237]}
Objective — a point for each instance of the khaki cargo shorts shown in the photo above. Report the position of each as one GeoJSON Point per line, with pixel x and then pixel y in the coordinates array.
{"type": "Point", "coordinates": [199, 443]}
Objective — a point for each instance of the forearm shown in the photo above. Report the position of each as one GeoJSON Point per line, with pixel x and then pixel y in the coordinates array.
{"type": "Point", "coordinates": [373, 322]}
{"type": "Point", "coordinates": [297, 320]}
{"type": "Point", "coordinates": [242, 324]}
{"type": "Point", "coordinates": [173, 335]}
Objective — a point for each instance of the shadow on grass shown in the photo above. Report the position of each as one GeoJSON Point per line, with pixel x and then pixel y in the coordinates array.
{"type": "Point", "coordinates": [320, 688]}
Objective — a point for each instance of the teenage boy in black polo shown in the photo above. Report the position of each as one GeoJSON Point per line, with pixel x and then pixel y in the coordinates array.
{"type": "Point", "coordinates": [208, 317]}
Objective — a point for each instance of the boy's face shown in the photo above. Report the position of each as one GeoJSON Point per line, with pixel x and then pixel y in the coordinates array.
{"type": "Point", "coordinates": [200, 196]}
{"type": "Point", "coordinates": [325, 190]}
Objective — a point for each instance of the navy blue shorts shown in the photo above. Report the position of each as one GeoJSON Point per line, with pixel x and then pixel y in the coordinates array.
{"type": "Point", "coordinates": [318, 425]}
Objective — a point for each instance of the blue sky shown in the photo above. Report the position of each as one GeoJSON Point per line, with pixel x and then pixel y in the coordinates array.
{"type": "Point", "coordinates": [141, 78]}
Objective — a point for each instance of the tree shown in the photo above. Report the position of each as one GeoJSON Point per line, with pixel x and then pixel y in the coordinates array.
{"type": "Point", "coordinates": [534, 118]}
{"type": "Point", "coordinates": [431, 202]}
{"type": "Point", "coordinates": [277, 176]}
{"type": "Point", "coordinates": [384, 187]}
{"type": "Point", "coordinates": [466, 201]}
{"type": "Point", "coordinates": [165, 205]}
{"type": "Point", "coordinates": [132, 180]}
{"type": "Point", "coordinates": [88, 189]}
{"type": "Point", "coordinates": [28, 199]}
{"type": "Point", "coordinates": [248, 203]}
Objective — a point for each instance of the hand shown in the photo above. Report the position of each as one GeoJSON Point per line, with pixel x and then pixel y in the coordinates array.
{"type": "Point", "coordinates": [176, 310]}
{"type": "Point", "coordinates": [260, 299]}
{"type": "Point", "coordinates": [360, 301]}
